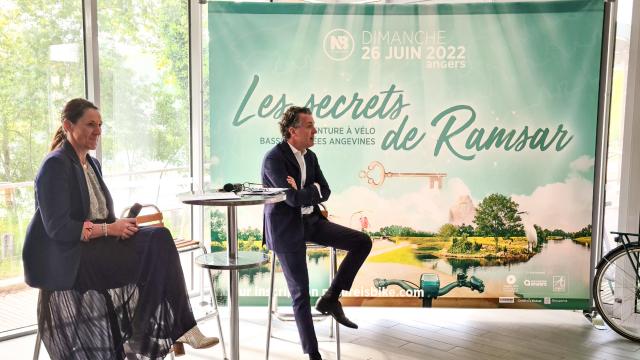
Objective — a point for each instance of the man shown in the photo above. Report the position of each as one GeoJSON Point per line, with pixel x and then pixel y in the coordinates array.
{"type": "Point", "coordinates": [289, 224]}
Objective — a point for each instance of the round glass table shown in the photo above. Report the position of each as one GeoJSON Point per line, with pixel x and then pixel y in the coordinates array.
{"type": "Point", "coordinates": [232, 259]}
{"type": "Point", "coordinates": [221, 261]}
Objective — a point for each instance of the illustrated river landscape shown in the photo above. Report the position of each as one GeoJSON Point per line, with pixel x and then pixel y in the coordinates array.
{"type": "Point", "coordinates": [552, 268]}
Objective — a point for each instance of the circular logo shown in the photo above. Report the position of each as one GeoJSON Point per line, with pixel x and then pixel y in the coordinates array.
{"type": "Point", "coordinates": [511, 279]}
{"type": "Point", "coordinates": [338, 44]}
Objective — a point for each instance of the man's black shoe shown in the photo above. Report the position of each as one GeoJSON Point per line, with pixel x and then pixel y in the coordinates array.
{"type": "Point", "coordinates": [334, 308]}
{"type": "Point", "coordinates": [315, 356]}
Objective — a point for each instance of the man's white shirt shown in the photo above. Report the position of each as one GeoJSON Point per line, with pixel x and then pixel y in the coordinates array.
{"type": "Point", "coordinates": [303, 170]}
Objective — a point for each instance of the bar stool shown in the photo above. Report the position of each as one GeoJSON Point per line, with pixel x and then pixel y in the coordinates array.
{"type": "Point", "coordinates": [273, 305]}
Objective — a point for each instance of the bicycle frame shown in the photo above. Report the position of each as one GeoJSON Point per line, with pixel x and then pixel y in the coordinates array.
{"type": "Point", "coordinates": [622, 237]}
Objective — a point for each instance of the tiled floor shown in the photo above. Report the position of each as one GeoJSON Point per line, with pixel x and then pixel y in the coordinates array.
{"type": "Point", "coordinates": [416, 333]}
{"type": "Point", "coordinates": [17, 306]}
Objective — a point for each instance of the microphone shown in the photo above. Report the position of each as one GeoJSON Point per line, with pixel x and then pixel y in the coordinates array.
{"type": "Point", "coordinates": [232, 187]}
{"type": "Point", "coordinates": [134, 210]}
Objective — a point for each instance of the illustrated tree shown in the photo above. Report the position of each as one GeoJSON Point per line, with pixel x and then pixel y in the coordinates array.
{"type": "Point", "coordinates": [397, 230]}
{"type": "Point", "coordinates": [218, 226]}
{"type": "Point", "coordinates": [447, 231]}
{"type": "Point", "coordinates": [584, 232]}
{"type": "Point", "coordinates": [541, 235]}
{"type": "Point", "coordinates": [465, 230]}
{"type": "Point", "coordinates": [250, 234]}
{"type": "Point", "coordinates": [250, 238]}
{"type": "Point", "coordinates": [497, 216]}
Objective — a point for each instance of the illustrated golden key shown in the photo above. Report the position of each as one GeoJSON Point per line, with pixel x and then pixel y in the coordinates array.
{"type": "Point", "coordinates": [375, 175]}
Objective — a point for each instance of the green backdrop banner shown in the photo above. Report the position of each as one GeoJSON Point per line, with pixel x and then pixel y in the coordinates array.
{"type": "Point", "coordinates": [460, 137]}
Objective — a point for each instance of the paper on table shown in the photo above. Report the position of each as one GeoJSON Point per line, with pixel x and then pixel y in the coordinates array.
{"type": "Point", "coordinates": [263, 191]}
{"type": "Point", "coordinates": [214, 195]}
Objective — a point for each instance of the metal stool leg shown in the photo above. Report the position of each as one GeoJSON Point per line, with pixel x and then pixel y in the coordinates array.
{"type": "Point", "coordinates": [36, 349]}
{"type": "Point", "coordinates": [215, 308]}
{"type": "Point", "coordinates": [270, 306]}
{"type": "Point", "coordinates": [332, 274]}
{"type": "Point", "coordinates": [332, 271]}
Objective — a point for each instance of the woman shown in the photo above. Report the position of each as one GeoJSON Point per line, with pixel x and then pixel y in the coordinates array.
{"type": "Point", "coordinates": [106, 284]}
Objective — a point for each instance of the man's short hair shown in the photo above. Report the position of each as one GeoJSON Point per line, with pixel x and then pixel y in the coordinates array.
{"type": "Point", "coordinates": [291, 118]}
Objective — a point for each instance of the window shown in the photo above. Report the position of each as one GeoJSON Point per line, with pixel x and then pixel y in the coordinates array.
{"type": "Point", "coordinates": [41, 67]}
{"type": "Point", "coordinates": [144, 86]}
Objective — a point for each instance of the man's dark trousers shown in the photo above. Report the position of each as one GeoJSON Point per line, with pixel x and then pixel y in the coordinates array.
{"type": "Point", "coordinates": [294, 264]}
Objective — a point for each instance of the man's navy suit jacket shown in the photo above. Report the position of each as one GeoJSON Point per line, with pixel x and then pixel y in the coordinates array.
{"type": "Point", "coordinates": [283, 227]}
{"type": "Point", "coordinates": [51, 252]}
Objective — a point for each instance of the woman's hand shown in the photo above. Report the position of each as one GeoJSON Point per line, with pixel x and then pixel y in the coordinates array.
{"type": "Point", "coordinates": [87, 229]}
{"type": "Point", "coordinates": [123, 228]}
{"type": "Point", "coordinates": [292, 182]}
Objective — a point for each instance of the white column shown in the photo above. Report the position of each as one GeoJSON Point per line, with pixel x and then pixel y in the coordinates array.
{"type": "Point", "coordinates": [197, 148]}
{"type": "Point", "coordinates": [91, 57]}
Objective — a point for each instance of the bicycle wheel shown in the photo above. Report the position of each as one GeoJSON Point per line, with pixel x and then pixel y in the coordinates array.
{"type": "Point", "coordinates": [616, 291]}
